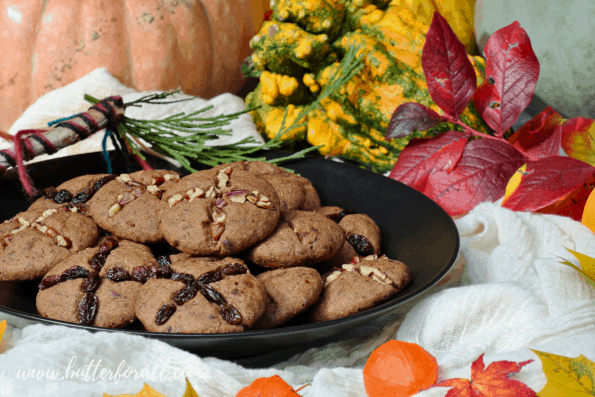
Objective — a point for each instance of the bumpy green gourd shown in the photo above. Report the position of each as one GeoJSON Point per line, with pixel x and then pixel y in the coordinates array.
{"type": "Point", "coordinates": [298, 52]}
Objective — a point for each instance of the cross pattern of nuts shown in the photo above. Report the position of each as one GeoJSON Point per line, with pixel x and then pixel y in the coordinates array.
{"type": "Point", "coordinates": [38, 225]}
{"type": "Point", "coordinates": [138, 189]}
{"type": "Point", "coordinates": [214, 192]}
{"type": "Point", "coordinates": [366, 271]}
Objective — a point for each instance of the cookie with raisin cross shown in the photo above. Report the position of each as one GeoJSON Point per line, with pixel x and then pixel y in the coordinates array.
{"type": "Point", "coordinates": [98, 286]}
{"type": "Point", "coordinates": [295, 192]}
{"type": "Point", "coordinates": [130, 206]}
{"type": "Point", "coordinates": [34, 241]}
{"type": "Point", "coordinates": [202, 296]}
{"type": "Point", "coordinates": [219, 212]}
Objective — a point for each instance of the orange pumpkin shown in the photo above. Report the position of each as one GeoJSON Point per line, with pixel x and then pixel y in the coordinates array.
{"type": "Point", "coordinates": [197, 45]}
{"type": "Point", "coordinates": [399, 368]}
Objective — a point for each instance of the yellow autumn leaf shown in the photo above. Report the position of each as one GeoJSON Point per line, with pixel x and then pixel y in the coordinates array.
{"type": "Point", "coordinates": [514, 182]}
{"type": "Point", "coordinates": [189, 390]}
{"type": "Point", "coordinates": [458, 13]}
{"type": "Point", "coordinates": [587, 269]}
{"type": "Point", "coordinates": [569, 377]}
{"type": "Point", "coordinates": [2, 329]}
{"type": "Point", "coordinates": [147, 391]}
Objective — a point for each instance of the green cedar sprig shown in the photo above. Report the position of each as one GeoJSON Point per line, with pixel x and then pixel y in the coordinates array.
{"type": "Point", "coordinates": [164, 135]}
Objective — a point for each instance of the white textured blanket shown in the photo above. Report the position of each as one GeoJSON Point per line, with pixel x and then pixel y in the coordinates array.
{"type": "Point", "coordinates": [506, 294]}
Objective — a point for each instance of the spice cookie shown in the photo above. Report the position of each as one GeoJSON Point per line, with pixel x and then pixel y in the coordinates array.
{"type": "Point", "coordinates": [130, 206]}
{"type": "Point", "coordinates": [219, 212]}
{"type": "Point", "coordinates": [35, 240]}
{"type": "Point", "coordinates": [294, 191]}
{"type": "Point", "coordinates": [362, 236]}
{"type": "Point", "coordinates": [202, 297]}
{"type": "Point", "coordinates": [290, 291]}
{"type": "Point", "coordinates": [359, 286]}
{"type": "Point", "coordinates": [73, 193]}
{"type": "Point", "coordinates": [98, 286]}
{"type": "Point", "coordinates": [302, 238]}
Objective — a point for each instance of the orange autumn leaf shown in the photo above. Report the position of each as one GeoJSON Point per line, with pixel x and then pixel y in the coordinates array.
{"type": "Point", "coordinates": [273, 386]}
{"type": "Point", "coordinates": [493, 381]}
{"type": "Point", "coordinates": [148, 391]}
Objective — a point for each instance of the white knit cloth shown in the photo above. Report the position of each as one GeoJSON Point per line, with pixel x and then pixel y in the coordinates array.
{"type": "Point", "coordinates": [507, 293]}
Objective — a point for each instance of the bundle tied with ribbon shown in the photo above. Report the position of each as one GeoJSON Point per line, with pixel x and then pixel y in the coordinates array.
{"type": "Point", "coordinates": [28, 144]}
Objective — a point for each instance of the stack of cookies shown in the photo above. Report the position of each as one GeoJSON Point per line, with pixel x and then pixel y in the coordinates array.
{"type": "Point", "coordinates": [248, 246]}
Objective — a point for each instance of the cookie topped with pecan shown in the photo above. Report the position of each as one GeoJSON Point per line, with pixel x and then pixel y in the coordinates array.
{"type": "Point", "coordinates": [202, 297]}
{"type": "Point", "coordinates": [98, 286]}
{"type": "Point", "coordinates": [295, 192]}
{"type": "Point", "coordinates": [130, 206]}
{"type": "Point", "coordinates": [219, 212]}
{"type": "Point", "coordinates": [32, 242]}
{"type": "Point", "coordinates": [359, 286]}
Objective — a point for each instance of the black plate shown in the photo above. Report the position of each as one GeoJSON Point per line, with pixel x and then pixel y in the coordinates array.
{"type": "Point", "coordinates": [415, 230]}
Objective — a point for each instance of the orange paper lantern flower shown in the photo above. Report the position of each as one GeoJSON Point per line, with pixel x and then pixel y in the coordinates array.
{"type": "Point", "coordinates": [399, 368]}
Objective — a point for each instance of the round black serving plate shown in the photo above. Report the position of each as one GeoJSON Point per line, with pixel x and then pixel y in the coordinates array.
{"type": "Point", "coordinates": [415, 230]}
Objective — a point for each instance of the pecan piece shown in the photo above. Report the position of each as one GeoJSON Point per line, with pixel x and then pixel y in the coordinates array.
{"type": "Point", "coordinates": [217, 229]}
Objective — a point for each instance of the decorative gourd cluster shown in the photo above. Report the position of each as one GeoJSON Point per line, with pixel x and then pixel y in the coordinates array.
{"type": "Point", "coordinates": [298, 52]}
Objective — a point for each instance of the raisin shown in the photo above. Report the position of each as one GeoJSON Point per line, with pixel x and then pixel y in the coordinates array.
{"type": "Point", "coordinates": [165, 313]}
{"type": "Point", "coordinates": [49, 281]}
{"type": "Point", "coordinates": [117, 274]}
{"type": "Point", "coordinates": [163, 271]}
{"type": "Point", "coordinates": [210, 277]}
{"type": "Point", "coordinates": [143, 273]}
{"type": "Point", "coordinates": [344, 213]}
{"type": "Point", "coordinates": [87, 308]}
{"type": "Point", "coordinates": [97, 261]}
{"type": "Point", "coordinates": [74, 272]}
{"type": "Point", "coordinates": [232, 269]}
{"type": "Point", "coordinates": [230, 314]}
{"type": "Point", "coordinates": [102, 181]}
{"type": "Point", "coordinates": [62, 196]}
{"type": "Point", "coordinates": [185, 294]}
{"type": "Point", "coordinates": [109, 244]}
{"type": "Point", "coordinates": [211, 294]}
{"type": "Point", "coordinates": [91, 283]}
{"type": "Point", "coordinates": [83, 196]}
{"type": "Point", "coordinates": [361, 244]}
{"type": "Point", "coordinates": [183, 277]}
{"type": "Point", "coordinates": [336, 217]}
{"type": "Point", "coordinates": [49, 193]}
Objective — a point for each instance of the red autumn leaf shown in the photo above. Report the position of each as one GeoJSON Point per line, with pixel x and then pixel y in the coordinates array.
{"type": "Point", "coordinates": [573, 204]}
{"type": "Point", "coordinates": [493, 381]}
{"type": "Point", "coordinates": [511, 74]}
{"type": "Point", "coordinates": [449, 74]}
{"type": "Point", "coordinates": [541, 136]}
{"type": "Point", "coordinates": [422, 157]}
{"type": "Point", "coordinates": [481, 175]}
{"type": "Point", "coordinates": [410, 117]}
{"type": "Point", "coordinates": [546, 181]}
{"type": "Point", "coordinates": [268, 15]}
{"type": "Point", "coordinates": [578, 139]}
{"type": "Point", "coordinates": [273, 386]}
